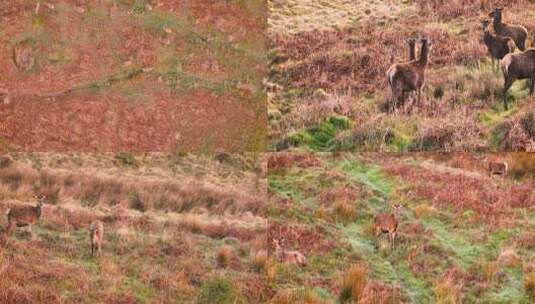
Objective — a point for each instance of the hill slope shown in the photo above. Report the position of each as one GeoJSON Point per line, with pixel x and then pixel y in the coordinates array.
{"type": "Point", "coordinates": [462, 238]}
{"type": "Point", "coordinates": [329, 90]}
{"type": "Point", "coordinates": [178, 229]}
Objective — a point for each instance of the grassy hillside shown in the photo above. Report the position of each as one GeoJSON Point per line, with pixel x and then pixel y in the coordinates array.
{"type": "Point", "coordinates": [328, 61]}
{"type": "Point", "coordinates": [133, 75]}
{"type": "Point", "coordinates": [462, 238]}
{"type": "Point", "coordinates": [178, 229]}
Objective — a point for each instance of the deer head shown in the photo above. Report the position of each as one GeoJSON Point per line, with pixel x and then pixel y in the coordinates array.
{"type": "Point", "coordinates": [397, 209]}
{"type": "Point", "coordinates": [40, 200]}
{"type": "Point", "coordinates": [485, 24]}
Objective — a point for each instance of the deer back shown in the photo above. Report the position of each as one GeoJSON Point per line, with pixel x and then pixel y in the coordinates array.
{"type": "Point", "coordinates": [25, 214]}
{"type": "Point", "coordinates": [497, 167]}
{"type": "Point", "coordinates": [293, 257]}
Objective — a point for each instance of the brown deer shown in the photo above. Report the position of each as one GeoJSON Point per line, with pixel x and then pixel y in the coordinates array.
{"type": "Point", "coordinates": [498, 46]}
{"type": "Point", "coordinates": [408, 77]}
{"type": "Point", "coordinates": [518, 66]}
{"type": "Point", "coordinates": [23, 55]}
{"type": "Point", "coordinates": [497, 168]}
{"type": "Point", "coordinates": [96, 233]}
{"type": "Point", "coordinates": [388, 223]}
{"type": "Point", "coordinates": [25, 215]}
{"type": "Point", "coordinates": [289, 256]}
{"type": "Point", "coordinates": [517, 32]}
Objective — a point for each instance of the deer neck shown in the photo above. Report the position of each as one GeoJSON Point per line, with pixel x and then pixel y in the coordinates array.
{"type": "Point", "coordinates": [424, 54]}
{"type": "Point", "coordinates": [497, 22]}
{"type": "Point", "coordinates": [412, 51]}
{"type": "Point", "coordinates": [486, 36]}
{"type": "Point", "coordinates": [38, 210]}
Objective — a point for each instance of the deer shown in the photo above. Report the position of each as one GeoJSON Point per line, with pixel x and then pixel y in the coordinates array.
{"type": "Point", "coordinates": [498, 46]}
{"type": "Point", "coordinates": [497, 168]}
{"type": "Point", "coordinates": [388, 223]}
{"type": "Point", "coordinates": [96, 234]}
{"type": "Point", "coordinates": [517, 32]}
{"type": "Point", "coordinates": [23, 55]}
{"type": "Point", "coordinates": [408, 77]}
{"type": "Point", "coordinates": [25, 215]}
{"type": "Point", "coordinates": [517, 66]}
{"type": "Point", "coordinates": [289, 256]}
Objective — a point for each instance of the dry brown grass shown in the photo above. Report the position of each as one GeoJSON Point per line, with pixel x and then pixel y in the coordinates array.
{"type": "Point", "coordinates": [136, 193]}
{"type": "Point", "coordinates": [259, 260]}
{"type": "Point", "coordinates": [509, 258]}
{"type": "Point", "coordinates": [529, 283]}
{"type": "Point", "coordinates": [353, 283]}
{"type": "Point", "coordinates": [278, 161]}
{"type": "Point", "coordinates": [344, 211]}
{"type": "Point", "coordinates": [424, 210]}
{"type": "Point", "coordinates": [447, 290]}
{"type": "Point", "coordinates": [142, 231]}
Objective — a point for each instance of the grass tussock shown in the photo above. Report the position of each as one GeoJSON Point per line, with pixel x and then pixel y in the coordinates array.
{"type": "Point", "coordinates": [225, 255]}
{"type": "Point", "coordinates": [353, 283]}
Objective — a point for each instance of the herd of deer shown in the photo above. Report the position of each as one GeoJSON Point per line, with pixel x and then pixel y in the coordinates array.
{"type": "Point", "coordinates": [407, 77]}
{"type": "Point", "coordinates": [27, 215]}
{"type": "Point", "coordinates": [384, 223]}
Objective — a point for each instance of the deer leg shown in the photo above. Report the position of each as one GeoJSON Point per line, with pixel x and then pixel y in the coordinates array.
{"type": "Point", "coordinates": [419, 92]}
{"type": "Point", "coordinates": [99, 248]}
{"type": "Point", "coordinates": [31, 231]}
{"type": "Point", "coordinates": [92, 249]}
{"type": "Point", "coordinates": [394, 99]}
{"type": "Point", "coordinates": [506, 86]}
{"type": "Point", "coordinates": [393, 240]}
{"type": "Point", "coordinates": [377, 234]}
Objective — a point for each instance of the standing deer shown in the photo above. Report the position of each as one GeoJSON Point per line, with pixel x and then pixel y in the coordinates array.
{"type": "Point", "coordinates": [498, 46]}
{"type": "Point", "coordinates": [517, 32]}
{"type": "Point", "coordinates": [96, 233]}
{"type": "Point", "coordinates": [289, 256]}
{"type": "Point", "coordinates": [25, 215]}
{"type": "Point", "coordinates": [388, 223]}
{"type": "Point", "coordinates": [408, 77]}
{"type": "Point", "coordinates": [518, 66]}
{"type": "Point", "coordinates": [497, 168]}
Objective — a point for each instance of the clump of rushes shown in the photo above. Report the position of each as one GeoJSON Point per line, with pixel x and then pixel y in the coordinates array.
{"type": "Point", "coordinates": [344, 210]}
{"type": "Point", "coordinates": [529, 284]}
{"type": "Point", "coordinates": [353, 283]}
